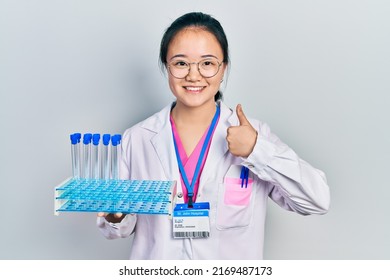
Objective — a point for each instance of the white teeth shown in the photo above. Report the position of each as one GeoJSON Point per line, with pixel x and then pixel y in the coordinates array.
{"type": "Point", "coordinates": [194, 88]}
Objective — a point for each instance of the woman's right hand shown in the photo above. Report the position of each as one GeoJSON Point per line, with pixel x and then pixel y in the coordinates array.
{"type": "Point", "coordinates": [112, 217]}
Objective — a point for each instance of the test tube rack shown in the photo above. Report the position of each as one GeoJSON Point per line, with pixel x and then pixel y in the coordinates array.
{"type": "Point", "coordinates": [115, 196]}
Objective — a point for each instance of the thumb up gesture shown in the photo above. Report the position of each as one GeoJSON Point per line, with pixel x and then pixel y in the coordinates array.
{"type": "Point", "coordinates": [242, 138]}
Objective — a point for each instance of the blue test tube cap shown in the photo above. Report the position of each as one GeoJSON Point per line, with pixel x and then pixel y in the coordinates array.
{"type": "Point", "coordinates": [73, 139]}
{"type": "Point", "coordinates": [87, 138]}
{"type": "Point", "coordinates": [106, 139]}
{"type": "Point", "coordinates": [119, 138]}
{"type": "Point", "coordinates": [78, 136]}
{"type": "Point", "coordinates": [96, 139]}
{"type": "Point", "coordinates": [115, 140]}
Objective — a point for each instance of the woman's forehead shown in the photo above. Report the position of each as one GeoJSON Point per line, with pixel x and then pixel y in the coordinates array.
{"type": "Point", "coordinates": [194, 41]}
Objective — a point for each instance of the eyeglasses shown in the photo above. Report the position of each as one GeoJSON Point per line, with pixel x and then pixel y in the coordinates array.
{"type": "Point", "coordinates": [208, 67]}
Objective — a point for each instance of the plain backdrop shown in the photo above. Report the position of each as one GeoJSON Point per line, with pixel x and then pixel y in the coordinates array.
{"type": "Point", "coordinates": [316, 71]}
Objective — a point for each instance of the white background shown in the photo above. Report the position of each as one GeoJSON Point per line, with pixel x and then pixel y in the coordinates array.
{"type": "Point", "coordinates": [316, 71]}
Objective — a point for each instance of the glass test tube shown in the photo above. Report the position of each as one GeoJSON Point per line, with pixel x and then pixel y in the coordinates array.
{"type": "Point", "coordinates": [95, 156]}
{"type": "Point", "coordinates": [115, 140]}
{"type": "Point", "coordinates": [105, 163]}
{"type": "Point", "coordinates": [87, 155]}
{"type": "Point", "coordinates": [75, 153]}
{"type": "Point", "coordinates": [119, 153]}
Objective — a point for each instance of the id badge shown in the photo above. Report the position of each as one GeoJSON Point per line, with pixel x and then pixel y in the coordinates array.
{"type": "Point", "coordinates": [191, 222]}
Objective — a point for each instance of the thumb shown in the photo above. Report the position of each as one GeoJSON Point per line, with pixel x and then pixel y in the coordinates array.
{"type": "Point", "coordinates": [241, 116]}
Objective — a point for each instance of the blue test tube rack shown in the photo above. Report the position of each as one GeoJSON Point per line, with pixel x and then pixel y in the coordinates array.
{"type": "Point", "coordinates": [109, 193]}
{"type": "Point", "coordinates": [115, 196]}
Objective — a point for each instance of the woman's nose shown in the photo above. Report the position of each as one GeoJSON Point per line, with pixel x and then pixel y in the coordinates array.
{"type": "Point", "coordinates": [193, 73]}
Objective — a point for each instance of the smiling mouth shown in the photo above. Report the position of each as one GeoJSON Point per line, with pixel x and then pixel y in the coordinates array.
{"type": "Point", "coordinates": [194, 89]}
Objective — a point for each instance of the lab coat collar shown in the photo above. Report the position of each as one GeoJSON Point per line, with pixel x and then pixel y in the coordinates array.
{"type": "Point", "coordinates": [161, 121]}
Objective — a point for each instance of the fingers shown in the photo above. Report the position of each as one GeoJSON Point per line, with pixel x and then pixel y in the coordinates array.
{"type": "Point", "coordinates": [104, 214]}
{"type": "Point", "coordinates": [118, 215]}
{"type": "Point", "coordinates": [241, 116]}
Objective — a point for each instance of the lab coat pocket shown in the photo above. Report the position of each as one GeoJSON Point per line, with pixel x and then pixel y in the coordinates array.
{"type": "Point", "coordinates": [235, 194]}
{"type": "Point", "coordinates": [234, 208]}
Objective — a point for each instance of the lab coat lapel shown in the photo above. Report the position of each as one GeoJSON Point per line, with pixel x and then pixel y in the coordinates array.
{"type": "Point", "coordinates": [219, 146]}
{"type": "Point", "coordinates": [163, 143]}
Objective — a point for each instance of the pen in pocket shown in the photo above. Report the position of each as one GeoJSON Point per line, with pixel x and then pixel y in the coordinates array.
{"type": "Point", "coordinates": [244, 176]}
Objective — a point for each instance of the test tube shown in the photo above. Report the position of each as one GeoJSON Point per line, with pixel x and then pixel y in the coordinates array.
{"type": "Point", "coordinates": [87, 155]}
{"type": "Point", "coordinates": [95, 156]}
{"type": "Point", "coordinates": [119, 149]}
{"type": "Point", "coordinates": [75, 153]}
{"type": "Point", "coordinates": [105, 163]}
{"type": "Point", "coordinates": [114, 156]}
{"type": "Point", "coordinates": [119, 153]}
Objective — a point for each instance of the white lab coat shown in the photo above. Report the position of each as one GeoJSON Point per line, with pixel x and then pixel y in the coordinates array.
{"type": "Point", "coordinates": [237, 231]}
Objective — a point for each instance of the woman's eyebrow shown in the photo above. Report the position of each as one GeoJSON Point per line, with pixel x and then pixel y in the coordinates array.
{"type": "Point", "coordinates": [177, 55]}
{"type": "Point", "coordinates": [209, 55]}
{"type": "Point", "coordinates": [184, 56]}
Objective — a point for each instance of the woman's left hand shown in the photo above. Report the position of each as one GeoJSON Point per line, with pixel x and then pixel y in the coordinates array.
{"type": "Point", "coordinates": [242, 138]}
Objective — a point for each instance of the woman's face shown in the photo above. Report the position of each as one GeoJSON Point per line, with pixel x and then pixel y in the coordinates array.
{"type": "Point", "coordinates": [192, 45]}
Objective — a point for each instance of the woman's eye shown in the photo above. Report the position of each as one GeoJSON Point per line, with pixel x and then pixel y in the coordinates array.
{"type": "Point", "coordinates": [208, 63]}
{"type": "Point", "coordinates": [180, 64]}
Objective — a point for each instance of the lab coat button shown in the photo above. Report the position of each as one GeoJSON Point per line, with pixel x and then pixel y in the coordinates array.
{"type": "Point", "coordinates": [179, 195]}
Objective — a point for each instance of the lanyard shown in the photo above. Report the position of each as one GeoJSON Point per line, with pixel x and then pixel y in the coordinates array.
{"type": "Point", "coordinates": [190, 187]}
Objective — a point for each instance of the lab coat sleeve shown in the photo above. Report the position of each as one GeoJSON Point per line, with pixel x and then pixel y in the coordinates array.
{"type": "Point", "coordinates": [126, 227]}
{"type": "Point", "coordinates": [293, 183]}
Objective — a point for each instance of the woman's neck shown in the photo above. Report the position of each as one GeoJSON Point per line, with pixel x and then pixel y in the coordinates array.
{"type": "Point", "coordinates": [193, 116]}
{"type": "Point", "coordinates": [191, 123]}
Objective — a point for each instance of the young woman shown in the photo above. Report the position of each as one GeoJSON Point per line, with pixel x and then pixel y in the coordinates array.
{"type": "Point", "coordinates": [207, 148]}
